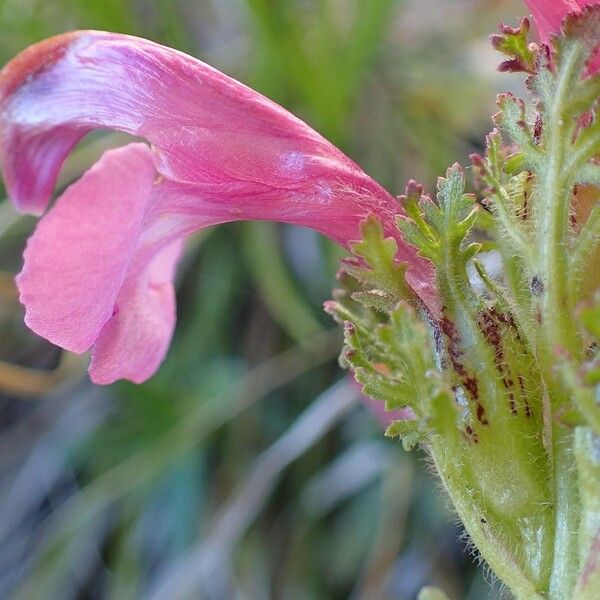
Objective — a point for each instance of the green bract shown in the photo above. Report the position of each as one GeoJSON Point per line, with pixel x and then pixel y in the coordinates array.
{"type": "Point", "coordinates": [502, 387]}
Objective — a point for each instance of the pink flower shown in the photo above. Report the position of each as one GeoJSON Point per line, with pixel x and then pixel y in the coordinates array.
{"type": "Point", "coordinates": [549, 15]}
{"type": "Point", "coordinates": [98, 269]}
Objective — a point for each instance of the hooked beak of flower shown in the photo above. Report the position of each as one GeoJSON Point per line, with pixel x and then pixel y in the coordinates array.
{"type": "Point", "coordinates": [98, 269]}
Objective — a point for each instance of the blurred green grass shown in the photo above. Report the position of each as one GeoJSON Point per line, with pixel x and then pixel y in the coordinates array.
{"type": "Point", "coordinates": [247, 467]}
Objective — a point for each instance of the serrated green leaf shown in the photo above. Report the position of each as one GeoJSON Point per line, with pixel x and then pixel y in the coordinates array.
{"type": "Point", "coordinates": [407, 430]}
{"type": "Point", "coordinates": [420, 235]}
{"type": "Point", "coordinates": [393, 361]}
{"type": "Point", "coordinates": [512, 119]}
{"type": "Point", "coordinates": [507, 194]}
{"type": "Point", "coordinates": [384, 272]}
{"type": "Point", "coordinates": [514, 43]}
{"type": "Point", "coordinates": [438, 229]}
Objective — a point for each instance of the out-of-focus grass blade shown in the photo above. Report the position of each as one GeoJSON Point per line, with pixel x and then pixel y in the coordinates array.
{"type": "Point", "coordinates": [32, 383]}
{"type": "Point", "coordinates": [264, 256]}
{"type": "Point", "coordinates": [326, 70]}
{"type": "Point", "coordinates": [125, 564]}
{"type": "Point", "coordinates": [211, 291]}
{"type": "Point", "coordinates": [209, 559]}
{"type": "Point", "coordinates": [84, 509]}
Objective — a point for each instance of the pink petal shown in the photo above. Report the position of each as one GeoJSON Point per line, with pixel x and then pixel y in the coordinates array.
{"type": "Point", "coordinates": [135, 340]}
{"type": "Point", "coordinates": [233, 153]}
{"type": "Point", "coordinates": [98, 270]}
{"type": "Point", "coordinates": [78, 257]}
{"type": "Point", "coordinates": [99, 267]}
{"type": "Point", "coordinates": [208, 128]}
{"type": "Point", "coordinates": [549, 15]}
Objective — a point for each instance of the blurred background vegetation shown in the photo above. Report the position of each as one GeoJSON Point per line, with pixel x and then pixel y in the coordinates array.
{"type": "Point", "coordinates": [247, 467]}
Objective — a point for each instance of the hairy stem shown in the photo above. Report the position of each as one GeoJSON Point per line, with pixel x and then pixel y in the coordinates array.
{"type": "Point", "coordinates": [499, 558]}
{"type": "Point", "coordinates": [556, 325]}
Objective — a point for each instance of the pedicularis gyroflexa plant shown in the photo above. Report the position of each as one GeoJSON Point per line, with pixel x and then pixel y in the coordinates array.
{"type": "Point", "coordinates": [497, 374]}
{"type": "Point", "coordinates": [503, 386]}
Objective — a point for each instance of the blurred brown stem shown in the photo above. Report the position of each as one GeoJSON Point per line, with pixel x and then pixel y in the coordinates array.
{"type": "Point", "coordinates": [26, 382]}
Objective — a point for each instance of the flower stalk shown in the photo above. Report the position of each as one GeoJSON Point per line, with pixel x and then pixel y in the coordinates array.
{"type": "Point", "coordinates": [513, 357]}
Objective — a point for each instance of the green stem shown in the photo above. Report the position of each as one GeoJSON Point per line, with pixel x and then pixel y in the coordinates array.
{"type": "Point", "coordinates": [511, 227]}
{"type": "Point", "coordinates": [565, 566]}
{"type": "Point", "coordinates": [494, 550]}
{"type": "Point", "coordinates": [586, 147]}
{"type": "Point", "coordinates": [557, 328]}
{"type": "Point", "coordinates": [508, 523]}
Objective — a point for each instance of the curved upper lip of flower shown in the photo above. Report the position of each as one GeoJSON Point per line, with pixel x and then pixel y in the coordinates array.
{"type": "Point", "coordinates": [220, 152]}
{"type": "Point", "coordinates": [32, 60]}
